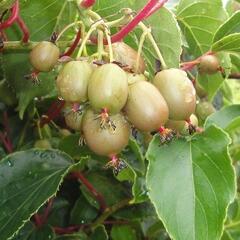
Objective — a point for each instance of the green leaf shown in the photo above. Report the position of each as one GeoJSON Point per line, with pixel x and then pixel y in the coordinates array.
{"type": "Point", "coordinates": [74, 236]}
{"type": "Point", "coordinates": [16, 66]}
{"type": "Point", "coordinates": [70, 145]}
{"type": "Point", "coordinates": [112, 190]}
{"type": "Point", "coordinates": [235, 59]}
{"type": "Point", "coordinates": [24, 232]}
{"type": "Point", "coordinates": [136, 212]}
{"type": "Point", "coordinates": [44, 17]}
{"type": "Point", "coordinates": [229, 43]}
{"type": "Point", "coordinates": [99, 233]}
{"type": "Point", "coordinates": [108, 7]}
{"type": "Point", "coordinates": [210, 83]}
{"type": "Point", "coordinates": [123, 232]}
{"type": "Point", "coordinates": [226, 236]}
{"type": "Point", "coordinates": [59, 212]}
{"type": "Point", "coordinates": [227, 38]}
{"type": "Point", "coordinates": [5, 5]}
{"type": "Point", "coordinates": [191, 183]}
{"type": "Point", "coordinates": [139, 190]}
{"type": "Point", "coordinates": [227, 118]}
{"type": "Point", "coordinates": [229, 27]}
{"type": "Point", "coordinates": [199, 20]}
{"type": "Point", "coordinates": [27, 180]}
{"type": "Point", "coordinates": [45, 232]}
{"type": "Point", "coordinates": [82, 212]}
{"type": "Point", "coordinates": [134, 156]}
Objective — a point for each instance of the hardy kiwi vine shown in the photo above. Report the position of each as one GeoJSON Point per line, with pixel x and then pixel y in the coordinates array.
{"type": "Point", "coordinates": [129, 83]}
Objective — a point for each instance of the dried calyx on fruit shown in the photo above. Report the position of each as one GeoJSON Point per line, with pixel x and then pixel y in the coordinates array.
{"type": "Point", "coordinates": [72, 81]}
{"type": "Point", "coordinates": [178, 91]}
{"type": "Point", "coordinates": [126, 55]}
{"type": "Point", "coordinates": [105, 141]}
{"type": "Point", "coordinates": [209, 64]}
{"type": "Point", "coordinates": [44, 56]}
{"type": "Point", "coordinates": [182, 127]}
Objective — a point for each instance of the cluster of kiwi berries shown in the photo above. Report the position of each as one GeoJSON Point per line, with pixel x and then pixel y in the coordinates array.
{"type": "Point", "coordinates": [103, 101]}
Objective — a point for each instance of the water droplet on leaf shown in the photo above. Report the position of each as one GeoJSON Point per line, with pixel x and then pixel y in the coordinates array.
{"type": "Point", "coordinates": [10, 163]}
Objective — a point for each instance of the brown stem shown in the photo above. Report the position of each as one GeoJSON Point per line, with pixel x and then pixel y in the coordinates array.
{"type": "Point", "coordinates": [234, 76]}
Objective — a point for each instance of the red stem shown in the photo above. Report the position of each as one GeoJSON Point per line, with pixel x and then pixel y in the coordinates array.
{"type": "Point", "coordinates": [53, 112]}
{"type": "Point", "coordinates": [37, 220]}
{"type": "Point", "coordinates": [47, 211]}
{"type": "Point", "coordinates": [5, 143]}
{"type": "Point", "coordinates": [5, 137]}
{"type": "Point", "coordinates": [156, 7]}
{"type": "Point", "coordinates": [12, 18]}
{"type": "Point", "coordinates": [98, 196]}
{"type": "Point", "coordinates": [24, 29]}
{"type": "Point", "coordinates": [149, 9]}
{"type": "Point", "coordinates": [72, 229]}
{"type": "Point", "coordinates": [87, 3]}
{"type": "Point", "coordinates": [73, 46]}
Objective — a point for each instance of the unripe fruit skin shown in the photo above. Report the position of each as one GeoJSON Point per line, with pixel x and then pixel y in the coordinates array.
{"type": "Point", "coordinates": [178, 91]}
{"type": "Point", "coordinates": [44, 56]}
{"type": "Point", "coordinates": [127, 56]}
{"type": "Point", "coordinates": [108, 88]}
{"type": "Point", "coordinates": [209, 64]}
{"type": "Point", "coordinates": [105, 142]}
{"type": "Point", "coordinates": [181, 126]}
{"type": "Point", "coordinates": [133, 78]}
{"type": "Point", "coordinates": [42, 143]}
{"type": "Point", "coordinates": [146, 109]}
{"type": "Point", "coordinates": [204, 109]}
{"type": "Point", "coordinates": [74, 120]}
{"type": "Point", "coordinates": [72, 81]}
